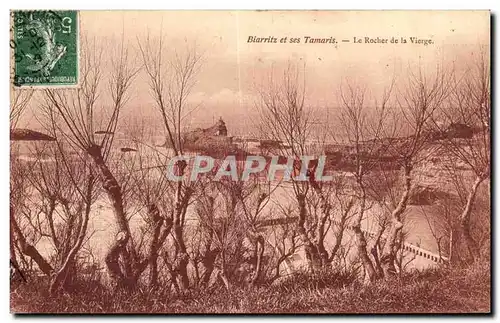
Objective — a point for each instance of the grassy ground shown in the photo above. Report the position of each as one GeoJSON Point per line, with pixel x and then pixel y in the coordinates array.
{"type": "Point", "coordinates": [431, 291]}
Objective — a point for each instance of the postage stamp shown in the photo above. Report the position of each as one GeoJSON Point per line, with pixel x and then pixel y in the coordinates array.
{"type": "Point", "coordinates": [45, 48]}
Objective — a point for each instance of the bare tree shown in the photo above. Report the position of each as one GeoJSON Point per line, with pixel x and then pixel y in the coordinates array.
{"type": "Point", "coordinates": [22, 238]}
{"type": "Point", "coordinates": [253, 212]}
{"type": "Point", "coordinates": [221, 220]}
{"type": "Point", "coordinates": [204, 246]}
{"type": "Point", "coordinates": [171, 80]}
{"type": "Point", "coordinates": [19, 186]}
{"type": "Point", "coordinates": [151, 192]}
{"type": "Point", "coordinates": [417, 101]}
{"type": "Point", "coordinates": [82, 117]}
{"type": "Point", "coordinates": [442, 224]}
{"type": "Point", "coordinates": [465, 128]}
{"type": "Point", "coordinates": [363, 128]}
{"type": "Point", "coordinates": [383, 188]}
{"type": "Point", "coordinates": [283, 241]}
{"type": "Point", "coordinates": [286, 119]}
{"type": "Point", "coordinates": [19, 100]}
{"type": "Point", "coordinates": [65, 190]}
{"type": "Point", "coordinates": [230, 214]}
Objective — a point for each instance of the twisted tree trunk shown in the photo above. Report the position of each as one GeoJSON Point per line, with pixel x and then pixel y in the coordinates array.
{"type": "Point", "coordinates": [326, 208]}
{"type": "Point", "coordinates": [28, 249]}
{"type": "Point", "coordinates": [61, 275]}
{"type": "Point", "coordinates": [114, 193]}
{"type": "Point", "coordinates": [181, 203]}
{"type": "Point", "coordinates": [208, 262]}
{"type": "Point", "coordinates": [370, 274]}
{"type": "Point", "coordinates": [375, 250]}
{"type": "Point", "coordinates": [472, 247]}
{"type": "Point", "coordinates": [157, 241]}
{"type": "Point", "coordinates": [259, 250]}
{"type": "Point", "coordinates": [389, 252]}
{"type": "Point", "coordinates": [311, 251]}
{"type": "Point", "coordinates": [339, 235]}
{"type": "Point", "coordinates": [12, 248]}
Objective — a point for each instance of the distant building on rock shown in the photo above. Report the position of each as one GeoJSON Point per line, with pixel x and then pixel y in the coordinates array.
{"type": "Point", "coordinates": [219, 129]}
{"type": "Point", "coordinates": [212, 141]}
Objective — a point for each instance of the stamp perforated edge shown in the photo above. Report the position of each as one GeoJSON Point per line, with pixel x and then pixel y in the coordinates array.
{"type": "Point", "coordinates": [44, 86]}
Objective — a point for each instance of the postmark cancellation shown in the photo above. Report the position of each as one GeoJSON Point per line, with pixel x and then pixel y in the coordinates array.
{"type": "Point", "coordinates": [44, 48]}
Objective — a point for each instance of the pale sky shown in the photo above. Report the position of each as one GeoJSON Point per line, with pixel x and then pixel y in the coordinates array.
{"type": "Point", "coordinates": [233, 68]}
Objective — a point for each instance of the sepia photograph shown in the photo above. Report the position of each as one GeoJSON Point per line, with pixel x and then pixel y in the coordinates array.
{"type": "Point", "coordinates": [250, 162]}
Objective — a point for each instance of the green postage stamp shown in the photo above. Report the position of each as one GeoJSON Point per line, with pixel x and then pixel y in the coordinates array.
{"type": "Point", "coordinates": [45, 48]}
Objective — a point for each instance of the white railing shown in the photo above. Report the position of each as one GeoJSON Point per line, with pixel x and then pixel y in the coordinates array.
{"type": "Point", "coordinates": [419, 252]}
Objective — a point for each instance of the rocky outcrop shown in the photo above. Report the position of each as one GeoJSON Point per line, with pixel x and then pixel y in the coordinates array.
{"type": "Point", "coordinates": [425, 195]}
{"type": "Point", "coordinates": [455, 130]}
{"type": "Point", "coordinates": [29, 135]}
{"type": "Point", "coordinates": [200, 137]}
{"type": "Point", "coordinates": [212, 141]}
{"type": "Point", "coordinates": [459, 130]}
{"type": "Point", "coordinates": [272, 145]}
{"type": "Point", "coordinates": [383, 153]}
{"type": "Point", "coordinates": [380, 154]}
{"type": "Point", "coordinates": [219, 129]}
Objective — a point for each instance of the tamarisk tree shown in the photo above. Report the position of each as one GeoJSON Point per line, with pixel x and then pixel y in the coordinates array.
{"type": "Point", "coordinates": [82, 114]}
{"type": "Point", "coordinates": [465, 130]}
{"type": "Point", "coordinates": [172, 77]}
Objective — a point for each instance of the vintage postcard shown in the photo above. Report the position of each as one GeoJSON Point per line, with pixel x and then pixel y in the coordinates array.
{"type": "Point", "coordinates": [250, 162]}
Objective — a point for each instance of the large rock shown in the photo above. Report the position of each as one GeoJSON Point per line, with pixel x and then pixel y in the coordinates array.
{"type": "Point", "coordinates": [454, 130]}
{"type": "Point", "coordinates": [425, 195]}
{"type": "Point", "coordinates": [29, 135]}
{"type": "Point", "coordinates": [212, 141]}
{"type": "Point", "coordinates": [376, 154]}
{"type": "Point", "coordinates": [459, 130]}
